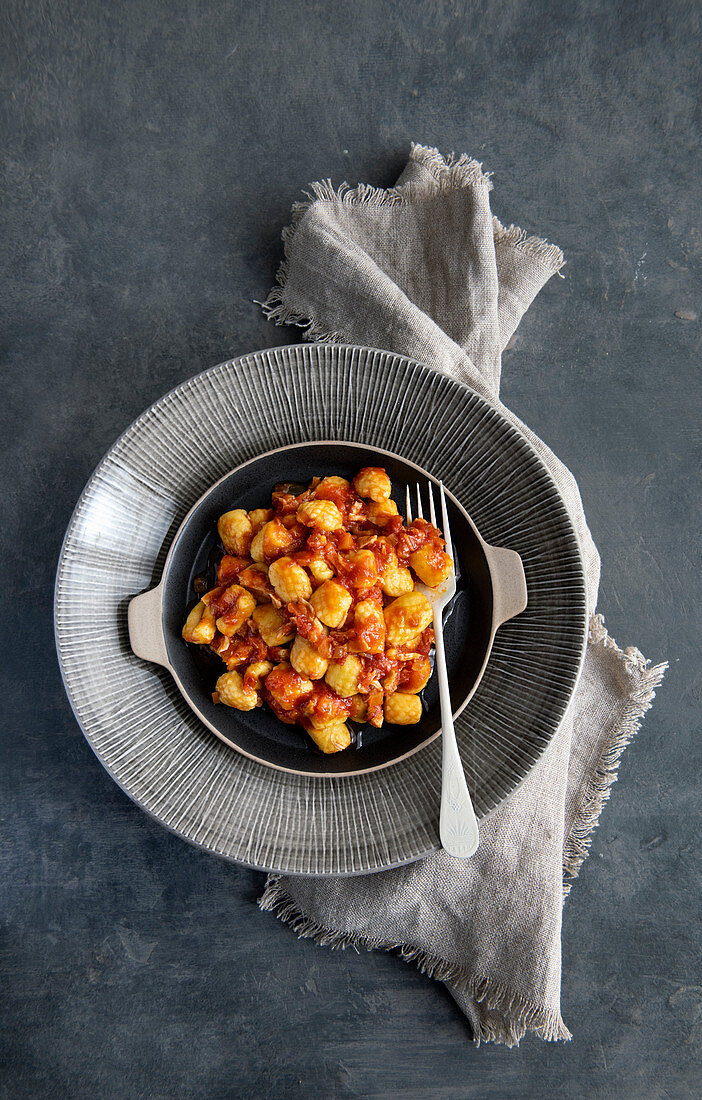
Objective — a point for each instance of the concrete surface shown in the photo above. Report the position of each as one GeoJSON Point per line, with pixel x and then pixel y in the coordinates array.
{"type": "Point", "coordinates": [151, 152]}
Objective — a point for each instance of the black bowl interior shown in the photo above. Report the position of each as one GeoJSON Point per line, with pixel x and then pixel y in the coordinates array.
{"type": "Point", "coordinates": [259, 733]}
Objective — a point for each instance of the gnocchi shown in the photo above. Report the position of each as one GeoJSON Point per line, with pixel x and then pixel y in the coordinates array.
{"type": "Point", "coordinates": [255, 577]}
{"type": "Point", "coordinates": [277, 539]}
{"type": "Point", "coordinates": [231, 692]}
{"type": "Point", "coordinates": [307, 660]}
{"type": "Point", "coordinates": [359, 708]}
{"type": "Point", "coordinates": [369, 628]}
{"type": "Point", "coordinates": [236, 531]}
{"type": "Point", "coordinates": [396, 579]}
{"type": "Point", "coordinates": [289, 580]}
{"type": "Point", "coordinates": [403, 710]}
{"type": "Point", "coordinates": [200, 625]}
{"type": "Point", "coordinates": [321, 570]}
{"type": "Point", "coordinates": [331, 603]}
{"type": "Point", "coordinates": [239, 607]}
{"type": "Point", "coordinates": [274, 626]}
{"type": "Point", "coordinates": [286, 687]}
{"type": "Point", "coordinates": [258, 517]}
{"type": "Point", "coordinates": [330, 736]}
{"type": "Point", "coordinates": [344, 677]}
{"type": "Point", "coordinates": [321, 514]}
{"type": "Point", "coordinates": [381, 512]}
{"type": "Point", "coordinates": [407, 616]}
{"type": "Point", "coordinates": [372, 482]}
{"type": "Point", "coordinates": [431, 564]}
{"type": "Point", "coordinates": [315, 610]}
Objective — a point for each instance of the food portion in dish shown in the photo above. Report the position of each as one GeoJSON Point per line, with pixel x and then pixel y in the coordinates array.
{"type": "Point", "coordinates": [315, 610]}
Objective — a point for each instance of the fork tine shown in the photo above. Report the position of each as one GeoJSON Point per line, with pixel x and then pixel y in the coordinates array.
{"type": "Point", "coordinates": [432, 509]}
{"type": "Point", "coordinates": [408, 506]}
{"type": "Point", "coordinates": [420, 513]}
{"type": "Point", "coordinates": [445, 521]}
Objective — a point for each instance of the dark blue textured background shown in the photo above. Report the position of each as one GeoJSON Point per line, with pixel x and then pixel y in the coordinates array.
{"type": "Point", "coordinates": [150, 153]}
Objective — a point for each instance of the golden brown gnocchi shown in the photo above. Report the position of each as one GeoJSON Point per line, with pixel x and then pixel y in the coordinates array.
{"type": "Point", "coordinates": [403, 710]}
{"type": "Point", "coordinates": [274, 625]}
{"type": "Point", "coordinates": [290, 580]}
{"type": "Point", "coordinates": [372, 482]}
{"type": "Point", "coordinates": [256, 549]}
{"type": "Point", "coordinates": [369, 628]}
{"type": "Point", "coordinates": [307, 660]}
{"type": "Point", "coordinates": [396, 579]}
{"type": "Point", "coordinates": [231, 692]}
{"type": "Point", "coordinates": [200, 625]}
{"type": "Point", "coordinates": [330, 736]}
{"type": "Point", "coordinates": [331, 603]}
{"type": "Point", "coordinates": [275, 539]}
{"type": "Point", "coordinates": [321, 514]}
{"type": "Point", "coordinates": [431, 564]}
{"type": "Point", "coordinates": [320, 570]}
{"type": "Point", "coordinates": [359, 708]}
{"type": "Point", "coordinates": [236, 531]}
{"type": "Point", "coordinates": [381, 512]}
{"type": "Point", "coordinates": [315, 610]}
{"type": "Point", "coordinates": [407, 616]}
{"type": "Point", "coordinates": [239, 606]}
{"type": "Point", "coordinates": [344, 677]}
{"type": "Point", "coordinates": [331, 483]}
{"type": "Point", "coordinates": [258, 517]}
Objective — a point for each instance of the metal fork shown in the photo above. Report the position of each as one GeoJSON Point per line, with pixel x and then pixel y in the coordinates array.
{"type": "Point", "coordinates": [458, 827]}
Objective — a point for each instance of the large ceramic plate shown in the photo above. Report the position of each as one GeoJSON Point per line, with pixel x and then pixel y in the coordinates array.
{"type": "Point", "coordinates": [490, 589]}
{"type": "Point", "coordinates": [134, 716]}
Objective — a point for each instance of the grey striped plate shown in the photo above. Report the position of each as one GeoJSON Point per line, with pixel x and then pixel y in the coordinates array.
{"type": "Point", "coordinates": [135, 718]}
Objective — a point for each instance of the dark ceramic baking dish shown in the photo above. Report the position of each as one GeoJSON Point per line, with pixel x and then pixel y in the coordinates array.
{"type": "Point", "coordinates": [490, 590]}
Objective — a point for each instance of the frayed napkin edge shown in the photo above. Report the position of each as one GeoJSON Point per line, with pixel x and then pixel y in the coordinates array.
{"type": "Point", "coordinates": [599, 787]}
{"type": "Point", "coordinates": [513, 1015]}
{"type": "Point", "coordinates": [448, 172]}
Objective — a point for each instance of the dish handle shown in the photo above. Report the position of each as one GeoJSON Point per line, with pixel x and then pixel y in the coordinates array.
{"type": "Point", "coordinates": [509, 589]}
{"type": "Point", "coordinates": [144, 617]}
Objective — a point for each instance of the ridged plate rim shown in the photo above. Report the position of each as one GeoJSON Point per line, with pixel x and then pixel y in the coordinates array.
{"type": "Point", "coordinates": [392, 845]}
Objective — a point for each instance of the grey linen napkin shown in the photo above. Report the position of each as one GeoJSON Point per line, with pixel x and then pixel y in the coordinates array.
{"type": "Point", "coordinates": [424, 269]}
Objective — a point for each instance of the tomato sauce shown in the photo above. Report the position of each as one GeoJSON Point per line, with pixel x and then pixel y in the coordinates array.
{"type": "Point", "coordinates": [230, 567]}
{"type": "Point", "coordinates": [410, 539]}
{"type": "Point", "coordinates": [288, 687]}
{"type": "Point", "coordinates": [293, 698]}
{"type": "Point", "coordinates": [414, 675]}
{"type": "Point", "coordinates": [341, 495]}
{"type": "Point", "coordinates": [343, 540]}
{"type": "Point", "coordinates": [436, 556]}
{"type": "Point", "coordinates": [256, 581]}
{"type": "Point", "coordinates": [221, 599]}
{"type": "Point", "coordinates": [308, 626]}
{"type": "Point", "coordinates": [374, 712]}
{"type": "Point", "coordinates": [375, 667]}
{"type": "Point", "coordinates": [324, 705]}
{"type": "Point", "coordinates": [286, 504]}
{"type": "Point", "coordinates": [317, 542]}
{"type": "Point", "coordinates": [381, 550]}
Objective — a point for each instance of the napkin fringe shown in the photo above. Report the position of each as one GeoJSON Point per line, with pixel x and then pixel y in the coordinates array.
{"type": "Point", "coordinates": [535, 247]}
{"type": "Point", "coordinates": [275, 308]}
{"type": "Point", "coordinates": [512, 1015]}
{"type": "Point", "coordinates": [448, 172]}
{"type": "Point", "coordinates": [604, 776]}
{"type": "Point", "coordinates": [279, 313]}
